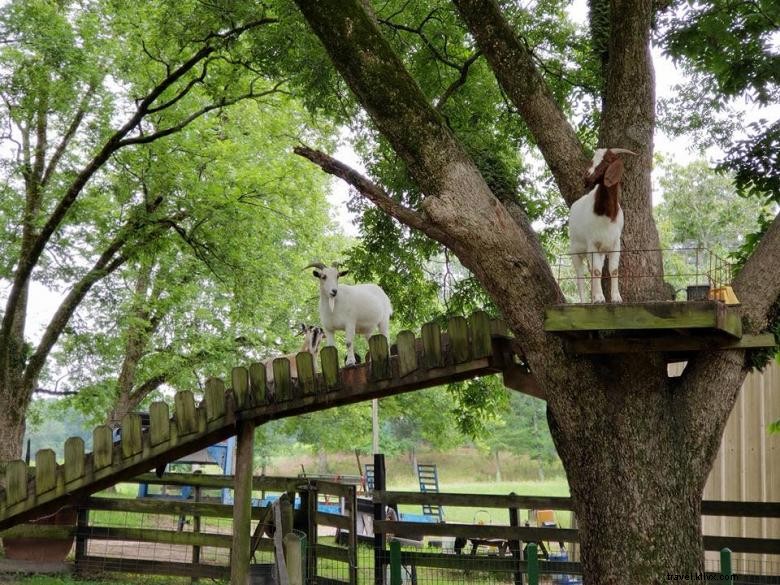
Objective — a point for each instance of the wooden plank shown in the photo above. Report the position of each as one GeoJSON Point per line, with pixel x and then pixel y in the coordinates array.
{"type": "Point", "coordinates": [432, 354]}
{"type": "Point", "coordinates": [516, 377]}
{"type": "Point", "coordinates": [132, 442]}
{"type": "Point", "coordinates": [329, 360]}
{"type": "Point", "coordinates": [283, 388]}
{"type": "Point", "coordinates": [102, 447]}
{"type": "Point", "coordinates": [257, 376]}
{"type": "Point", "coordinates": [45, 471]}
{"type": "Point", "coordinates": [380, 358]}
{"type": "Point", "coordinates": [74, 459]}
{"type": "Point", "coordinates": [169, 506]}
{"type": "Point", "coordinates": [498, 327]}
{"type": "Point", "coordinates": [474, 500]}
{"type": "Point", "coordinates": [101, 565]}
{"type": "Point", "coordinates": [481, 342]}
{"type": "Point", "coordinates": [215, 399]}
{"type": "Point", "coordinates": [336, 520]}
{"type": "Point", "coordinates": [15, 482]}
{"type": "Point", "coordinates": [159, 423]}
{"type": "Point", "coordinates": [407, 353]}
{"type": "Point", "coordinates": [160, 536]}
{"type": "Point", "coordinates": [415, 529]}
{"type": "Point", "coordinates": [707, 315]}
{"type": "Point", "coordinates": [259, 483]}
{"type": "Point", "coordinates": [307, 377]}
{"type": "Point", "coordinates": [242, 503]}
{"type": "Point", "coordinates": [240, 379]}
{"type": "Point", "coordinates": [669, 343]}
{"type": "Point", "coordinates": [186, 417]}
{"type": "Point", "coordinates": [458, 331]}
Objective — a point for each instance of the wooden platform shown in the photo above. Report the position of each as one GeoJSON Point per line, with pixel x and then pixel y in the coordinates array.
{"type": "Point", "coordinates": [682, 317]}
{"type": "Point", "coordinates": [672, 328]}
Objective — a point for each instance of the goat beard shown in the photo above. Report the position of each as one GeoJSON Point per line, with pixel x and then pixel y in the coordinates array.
{"type": "Point", "coordinates": [332, 303]}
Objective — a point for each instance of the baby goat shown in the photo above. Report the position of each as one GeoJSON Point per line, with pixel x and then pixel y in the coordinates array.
{"type": "Point", "coordinates": [596, 223]}
{"type": "Point", "coordinates": [357, 308]}
{"type": "Point", "coordinates": [312, 337]}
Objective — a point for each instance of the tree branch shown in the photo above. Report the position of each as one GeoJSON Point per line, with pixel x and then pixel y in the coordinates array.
{"type": "Point", "coordinates": [512, 63]}
{"type": "Point", "coordinates": [459, 82]}
{"type": "Point", "coordinates": [757, 285]}
{"type": "Point", "coordinates": [372, 192]}
{"type": "Point", "coordinates": [67, 137]}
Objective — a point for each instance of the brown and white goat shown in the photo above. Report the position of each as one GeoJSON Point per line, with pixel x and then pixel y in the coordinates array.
{"type": "Point", "coordinates": [312, 337]}
{"type": "Point", "coordinates": [596, 223]}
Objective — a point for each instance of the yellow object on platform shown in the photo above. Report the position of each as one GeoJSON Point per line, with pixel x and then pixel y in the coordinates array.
{"type": "Point", "coordinates": [725, 294]}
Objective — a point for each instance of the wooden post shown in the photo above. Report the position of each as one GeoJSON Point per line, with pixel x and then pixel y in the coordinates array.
{"type": "Point", "coordinates": [380, 484]}
{"type": "Point", "coordinates": [82, 526]}
{"type": "Point", "coordinates": [352, 553]}
{"type": "Point", "coordinates": [242, 505]}
{"type": "Point", "coordinates": [311, 543]}
{"type": "Point", "coordinates": [514, 545]}
{"type": "Point", "coordinates": [533, 564]}
{"type": "Point", "coordinates": [196, 529]}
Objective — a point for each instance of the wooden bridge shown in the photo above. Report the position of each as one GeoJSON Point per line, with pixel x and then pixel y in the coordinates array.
{"type": "Point", "coordinates": [471, 347]}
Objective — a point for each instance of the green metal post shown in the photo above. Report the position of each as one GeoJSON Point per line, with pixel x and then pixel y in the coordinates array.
{"type": "Point", "coordinates": [533, 564]}
{"type": "Point", "coordinates": [725, 562]}
{"type": "Point", "coordinates": [395, 563]}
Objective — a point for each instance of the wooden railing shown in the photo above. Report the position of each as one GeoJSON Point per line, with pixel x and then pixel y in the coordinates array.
{"type": "Point", "coordinates": [471, 347]}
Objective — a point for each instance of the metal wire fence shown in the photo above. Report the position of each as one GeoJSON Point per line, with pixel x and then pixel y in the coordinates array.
{"type": "Point", "coordinates": [687, 272]}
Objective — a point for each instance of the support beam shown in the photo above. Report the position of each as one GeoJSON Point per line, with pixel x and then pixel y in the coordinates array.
{"type": "Point", "coordinates": [517, 378]}
{"type": "Point", "coordinates": [242, 504]}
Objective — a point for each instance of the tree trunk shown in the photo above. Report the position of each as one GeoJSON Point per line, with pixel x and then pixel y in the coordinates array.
{"type": "Point", "coordinates": [637, 446]}
{"type": "Point", "coordinates": [496, 454]}
{"type": "Point", "coordinates": [12, 426]}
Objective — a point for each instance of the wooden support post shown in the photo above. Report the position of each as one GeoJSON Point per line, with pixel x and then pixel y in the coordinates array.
{"type": "Point", "coordinates": [196, 529]}
{"type": "Point", "coordinates": [380, 484]}
{"type": "Point", "coordinates": [514, 545]}
{"type": "Point", "coordinates": [242, 505]}
{"type": "Point", "coordinates": [311, 517]}
{"type": "Point", "coordinates": [82, 527]}
{"type": "Point", "coordinates": [352, 552]}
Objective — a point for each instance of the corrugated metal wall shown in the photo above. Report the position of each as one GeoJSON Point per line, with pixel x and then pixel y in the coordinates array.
{"type": "Point", "coordinates": [748, 468]}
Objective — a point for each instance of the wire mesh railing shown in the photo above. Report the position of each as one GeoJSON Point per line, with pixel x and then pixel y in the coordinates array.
{"type": "Point", "coordinates": [689, 273]}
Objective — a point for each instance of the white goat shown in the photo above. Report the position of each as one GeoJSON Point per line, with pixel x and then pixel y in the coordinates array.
{"type": "Point", "coordinates": [596, 223]}
{"type": "Point", "coordinates": [358, 308]}
{"type": "Point", "coordinates": [312, 337]}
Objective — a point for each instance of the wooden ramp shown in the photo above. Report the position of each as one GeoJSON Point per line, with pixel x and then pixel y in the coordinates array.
{"type": "Point", "coordinates": [472, 347]}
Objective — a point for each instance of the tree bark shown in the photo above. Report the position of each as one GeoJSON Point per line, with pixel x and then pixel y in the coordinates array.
{"type": "Point", "coordinates": [637, 446]}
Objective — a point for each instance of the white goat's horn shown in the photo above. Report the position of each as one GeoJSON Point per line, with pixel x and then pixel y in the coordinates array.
{"type": "Point", "coordinates": [319, 265]}
{"type": "Point", "coordinates": [623, 151]}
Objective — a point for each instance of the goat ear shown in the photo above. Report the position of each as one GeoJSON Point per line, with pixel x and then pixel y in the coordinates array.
{"type": "Point", "coordinates": [614, 173]}
{"type": "Point", "coordinates": [343, 273]}
{"type": "Point", "coordinates": [315, 273]}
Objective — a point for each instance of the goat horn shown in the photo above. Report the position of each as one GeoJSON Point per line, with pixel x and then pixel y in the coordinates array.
{"type": "Point", "coordinates": [319, 265]}
{"type": "Point", "coordinates": [623, 151]}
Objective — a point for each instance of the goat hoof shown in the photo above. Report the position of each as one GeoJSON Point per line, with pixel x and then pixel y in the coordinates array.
{"type": "Point", "coordinates": [599, 300]}
{"type": "Point", "coordinates": [617, 299]}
